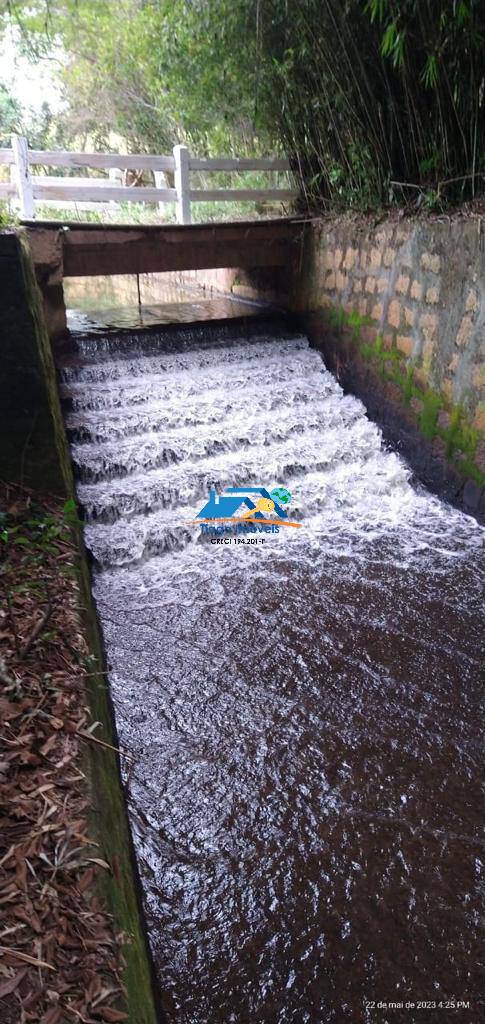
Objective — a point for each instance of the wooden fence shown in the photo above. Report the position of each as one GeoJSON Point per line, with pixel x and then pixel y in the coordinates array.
{"type": "Point", "coordinates": [28, 189]}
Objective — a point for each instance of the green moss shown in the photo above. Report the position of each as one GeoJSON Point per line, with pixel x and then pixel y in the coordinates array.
{"type": "Point", "coordinates": [337, 317]}
{"type": "Point", "coordinates": [428, 419]}
{"type": "Point", "coordinates": [378, 344]}
{"type": "Point", "coordinates": [468, 469]}
{"type": "Point", "coordinates": [408, 389]}
{"type": "Point", "coordinates": [460, 436]}
{"type": "Point", "coordinates": [356, 322]}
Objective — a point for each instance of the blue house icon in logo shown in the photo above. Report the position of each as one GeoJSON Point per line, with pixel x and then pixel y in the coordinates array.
{"type": "Point", "coordinates": [223, 506]}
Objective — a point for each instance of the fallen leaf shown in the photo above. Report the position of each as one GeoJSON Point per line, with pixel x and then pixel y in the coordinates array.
{"type": "Point", "coordinates": [113, 1016]}
{"type": "Point", "coordinates": [9, 986]}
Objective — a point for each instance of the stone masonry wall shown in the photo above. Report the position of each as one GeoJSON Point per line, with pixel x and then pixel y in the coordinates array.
{"type": "Point", "coordinates": [399, 308]}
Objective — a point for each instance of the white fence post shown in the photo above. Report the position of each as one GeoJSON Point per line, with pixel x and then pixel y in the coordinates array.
{"type": "Point", "coordinates": [161, 182]}
{"type": "Point", "coordinates": [115, 174]}
{"type": "Point", "coordinates": [24, 180]}
{"type": "Point", "coordinates": [182, 184]}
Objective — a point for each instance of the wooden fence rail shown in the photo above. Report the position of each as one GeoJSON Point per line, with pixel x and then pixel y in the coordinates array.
{"type": "Point", "coordinates": [27, 188]}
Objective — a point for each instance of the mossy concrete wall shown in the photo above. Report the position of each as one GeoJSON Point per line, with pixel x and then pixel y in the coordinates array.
{"type": "Point", "coordinates": [34, 452]}
{"type": "Point", "coordinates": [33, 446]}
{"type": "Point", "coordinates": [398, 308]}
{"type": "Point", "coordinates": [120, 888]}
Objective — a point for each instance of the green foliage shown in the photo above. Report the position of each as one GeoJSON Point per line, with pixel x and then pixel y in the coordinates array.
{"type": "Point", "coordinates": [460, 435]}
{"type": "Point", "coordinates": [356, 322]}
{"type": "Point", "coordinates": [155, 72]}
{"type": "Point", "coordinates": [10, 115]}
{"type": "Point", "coordinates": [7, 219]}
{"type": "Point", "coordinates": [432, 403]}
{"type": "Point", "coordinates": [374, 101]}
{"type": "Point", "coordinates": [39, 534]}
{"type": "Point", "coordinates": [380, 101]}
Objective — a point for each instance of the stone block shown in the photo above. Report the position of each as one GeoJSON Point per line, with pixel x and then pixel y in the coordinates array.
{"type": "Point", "coordinates": [472, 493]}
{"type": "Point", "coordinates": [328, 259]}
{"type": "Point", "coordinates": [479, 418]}
{"type": "Point", "coordinates": [465, 330]}
{"type": "Point", "coordinates": [409, 316]}
{"type": "Point", "coordinates": [432, 296]}
{"type": "Point", "coordinates": [427, 355]}
{"type": "Point", "coordinates": [375, 257]}
{"type": "Point", "coordinates": [393, 392]}
{"type": "Point", "coordinates": [394, 313]}
{"type": "Point", "coordinates": [402, 284]}
{"type": "Point", "coordinates": [472, 303]}
{"type": "Point", "coordinates": [439, 447]}
{"type": "Point", "coordinates": [431, 261]}
{"type": "Point", "coordinates": [368, 334]}
{"type": "Point", "coordinates": [389, 257]}
{"type": "Point", "coordinates": [370, 285]}
{"type": "Point", "coordinates": [420, 377]}
{"type": "Point", "coordinates": [382, 285]}
{"type": "Point", "coordinates": [377, 311]}
{"type": "Point", "coordinates": [453, 363]}
{"type": "Point", "coordinates": [416, 291]}
{"type": "Point", "coordinates": [428, 323]}
{"type": "Point", "coordinates": [405, 343]}
{"type": "Point", "coordinates": [479, 458]}
{"type": "Point", "coordinates": [350, 258]}
{"type": "Point", "coordinates": [478, 376]}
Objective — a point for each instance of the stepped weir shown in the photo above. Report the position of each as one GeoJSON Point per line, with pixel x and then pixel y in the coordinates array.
{"type": "Point", "coordinates": [298, 706]}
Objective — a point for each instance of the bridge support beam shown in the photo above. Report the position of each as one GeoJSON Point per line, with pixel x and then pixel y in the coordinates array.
{"type": "Point", "coordinates": [255, 248]}
{"type": "Point", "coordinates": [86, 250]}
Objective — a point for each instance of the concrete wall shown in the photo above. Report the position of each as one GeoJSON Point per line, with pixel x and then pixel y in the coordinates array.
{"type": "Point", "coordinates": [263, 284]}
{"type": "Point", "coordinates": [33, 448]}
{"type": "Point", "coordinates": [266, 284]}
{"type": "Point", "coordinates": [399, 310]}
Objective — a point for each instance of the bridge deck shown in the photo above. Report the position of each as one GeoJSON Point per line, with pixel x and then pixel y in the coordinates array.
{"type": "Point", "coordinates": [81, 250]}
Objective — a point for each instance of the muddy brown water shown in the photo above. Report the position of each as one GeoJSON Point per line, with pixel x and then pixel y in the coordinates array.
{"type": "Point", "coordinates": [303, 712]}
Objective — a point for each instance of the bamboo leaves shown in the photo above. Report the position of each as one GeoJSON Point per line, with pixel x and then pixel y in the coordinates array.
{"type": "Point", "coordinates": [380, 101]}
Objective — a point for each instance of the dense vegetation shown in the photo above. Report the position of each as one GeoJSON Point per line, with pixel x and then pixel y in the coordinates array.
{"type": "Point", "coordinates": [375, 101]}
{"type": "Point", "coordinates": [382, 100]}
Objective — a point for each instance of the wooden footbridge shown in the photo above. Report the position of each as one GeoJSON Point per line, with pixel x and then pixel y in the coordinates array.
{"type": "Point", "coordinates": [70, 248]}
{"type": "Point", "coordinates": [85, 250]}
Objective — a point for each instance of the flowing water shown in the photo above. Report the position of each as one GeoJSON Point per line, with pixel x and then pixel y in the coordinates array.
{"type": "Point", "coordinates": [302, 711]}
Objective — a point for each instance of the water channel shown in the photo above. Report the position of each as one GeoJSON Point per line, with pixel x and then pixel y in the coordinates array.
{"type": "Point", "coordinates": [302, 711]}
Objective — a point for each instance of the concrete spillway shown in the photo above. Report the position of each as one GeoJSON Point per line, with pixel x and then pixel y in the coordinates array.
{"type": "Point", "coordinates": [301, 711]}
